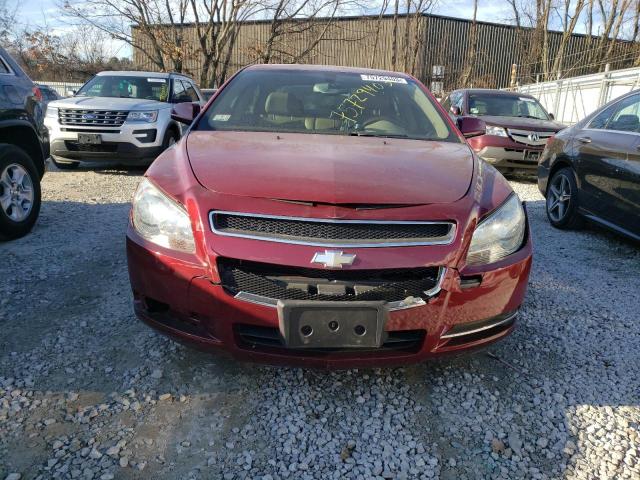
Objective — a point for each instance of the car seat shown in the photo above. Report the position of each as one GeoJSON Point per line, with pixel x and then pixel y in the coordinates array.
{"type": "Point", "coordinates": [283, 108]}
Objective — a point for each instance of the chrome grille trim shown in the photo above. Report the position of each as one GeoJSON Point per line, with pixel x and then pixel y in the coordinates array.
{"type": "Point", "coordinates": [405, 304]}
{"type": "Point", "coordinates": [443, 240]}
{"type": "Point", "coordinates": [503, 321]}
{"type": "Point", "coordinates": [101, 118]}
{"type": "Point", "coordinates": [522, 136]}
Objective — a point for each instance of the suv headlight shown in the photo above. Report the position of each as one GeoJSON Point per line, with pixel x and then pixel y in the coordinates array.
{"type": "Point", "coordinates": [497, 131]}
{"type": "Point", "coordinates": [499, 234]}
{"type": "Point", "coordinates": [160, 219]}
{"type": "Point", "coordinates": [148, 116]}
{"type": "Point", "coordinates": [52, 112]}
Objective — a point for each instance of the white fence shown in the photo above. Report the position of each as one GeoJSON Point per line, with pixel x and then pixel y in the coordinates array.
{"type": "Point", "coordinates": [61, 87]}
{"type": "Point", "coordinates": [572, 99]}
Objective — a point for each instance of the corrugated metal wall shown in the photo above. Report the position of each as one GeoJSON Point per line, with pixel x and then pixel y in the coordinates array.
{"type": "Point", "coordinates": [440, 41]}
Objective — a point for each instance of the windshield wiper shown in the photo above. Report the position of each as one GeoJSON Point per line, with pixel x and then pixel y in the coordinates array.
{"type": "Point", "coordinates": [530, 116]}
{"type": "Point", "coordinates": [360, 133]}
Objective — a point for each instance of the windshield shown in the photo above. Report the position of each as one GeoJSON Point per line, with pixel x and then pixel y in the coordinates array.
{"type": "Point", "coordinates": [144, 88]}
{"type": "Point", "coordinates": [505, 106]}
{"type": "Point", "coordinates": [336, 103]}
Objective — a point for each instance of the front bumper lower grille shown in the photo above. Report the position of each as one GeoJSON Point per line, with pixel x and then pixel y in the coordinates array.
{"type": "Point", "coordinates": [261, 338]}
{"type": "Point", "coordinates": [332, 233]}
{"type": "Point", "coordinates": [267, 283]}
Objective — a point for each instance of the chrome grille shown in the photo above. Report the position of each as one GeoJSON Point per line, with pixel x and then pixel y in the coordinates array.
{"type": "Point", "coordinates": [530, 137]}
{"type": "Point", "coordinates": [332, 233]}
{"type": "Point", "coordinates": [102, 118]}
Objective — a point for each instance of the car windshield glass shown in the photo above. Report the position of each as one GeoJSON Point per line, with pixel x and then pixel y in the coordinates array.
{"type": "Point", "coordinates": [505, 106]}
{"type": "Point", "coordinates": [339, 103]}
{"type": "Point", "coordinates": [147, 88]}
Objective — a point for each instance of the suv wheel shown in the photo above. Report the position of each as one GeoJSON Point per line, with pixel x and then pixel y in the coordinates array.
{"type": "Point", "coordinates": [19, 192]}
{"type": "Point", "coordinates": [64, 164]}
{"type": "Point", "coordinates": [562, 200]}
{"type": "Point", "coordinates": [170, 138]}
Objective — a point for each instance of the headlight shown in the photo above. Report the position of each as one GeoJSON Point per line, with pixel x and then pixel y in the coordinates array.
{"type": "Point", "coordinates": [160, 219]}
{"type": "Point", "coordinates": [499, 234]}
{"type": "Point", "coordinates": [148, 117]}
{"type": "Point", "coordinates": [497, 131]}
{"type": "Point", "coordinates": [52, 112]}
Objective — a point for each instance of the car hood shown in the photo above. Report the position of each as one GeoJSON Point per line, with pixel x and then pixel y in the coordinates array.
{"type": "Point", "coordinates": [109, 103]}
{"type": "Point", "coordinates": [332, 169]}
{"type": "Point", "coordinates": [523, 123]}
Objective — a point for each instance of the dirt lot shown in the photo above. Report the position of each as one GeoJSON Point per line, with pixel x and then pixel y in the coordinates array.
{"type": "Point", "coordinates": [86, 391]}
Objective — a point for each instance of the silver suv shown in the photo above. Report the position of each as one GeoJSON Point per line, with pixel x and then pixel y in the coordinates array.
{"type": "Point", "coordinates": [123, 117]}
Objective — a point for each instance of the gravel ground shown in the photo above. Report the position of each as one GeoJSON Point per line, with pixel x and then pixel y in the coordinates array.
{"type": "Point", "coordinates": [86, 391]}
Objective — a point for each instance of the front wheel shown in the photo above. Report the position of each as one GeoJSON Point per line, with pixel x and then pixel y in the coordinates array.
{"type": "Point", "coordinates": [170, 138]}
{"type": "Point", "coordinates": [562, 200]}
{"type": "Point", "coordinates": [19, 192]}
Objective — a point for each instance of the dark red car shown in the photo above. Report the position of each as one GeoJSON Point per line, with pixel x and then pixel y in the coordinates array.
{"type": "Point", "coordinates": [518, 127]}
{"type": "Point", "coordinates": [330, 217]}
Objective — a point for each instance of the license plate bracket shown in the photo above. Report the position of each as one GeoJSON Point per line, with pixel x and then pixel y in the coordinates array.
{"type": "Point", "coordinates": [89, 139]}
{"type": "Point", "coordinates": [332, 325]}
{"type": "Point", "coordinates": [531, 156]}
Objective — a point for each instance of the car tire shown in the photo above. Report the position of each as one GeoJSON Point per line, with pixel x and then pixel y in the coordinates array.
{"type": "Point", "coordinates": [19, 192]}
{"type": "Point", "coordinates": [64, 164]}
{"type": "Point", "coordinates": [170, 137]}
{"type": "Point", "coordinates": [562, 200]}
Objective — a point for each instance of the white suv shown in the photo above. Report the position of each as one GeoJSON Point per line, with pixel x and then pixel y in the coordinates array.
{"type": "Point", "coordinates": [124, 117]}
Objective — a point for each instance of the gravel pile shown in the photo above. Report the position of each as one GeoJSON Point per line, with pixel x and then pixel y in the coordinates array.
{"type": "Point", "coordinates": [88, 392]}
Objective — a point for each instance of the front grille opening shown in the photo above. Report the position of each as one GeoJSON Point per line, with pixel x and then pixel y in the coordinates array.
{"type": "Point", "coordinates": [161, 313]}
{"type": "Point", "coordinates": [99, 148]}
{"type": "Point", "coordinates": [256, 337]}
{"type": "Point", "coordinates": [155, 306]}
{"type": "Point", "coordinates": [330, 233]}
{"type": "Point", "coordinates": [297, 283]}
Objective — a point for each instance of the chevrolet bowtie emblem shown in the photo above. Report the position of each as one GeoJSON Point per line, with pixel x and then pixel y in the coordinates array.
{"type": "Point", "coordinates": [333, 258]}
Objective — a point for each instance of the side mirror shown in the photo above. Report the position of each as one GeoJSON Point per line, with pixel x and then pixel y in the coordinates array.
{"type": "Point", "coordinates": [456, 111]}
{"type": "Point", "coordinates": [71, 93]}
{"type": "Point", "coordinates": [185, 112]}
{"type": "Point", "coordinates": [552, 116]}
{"type": "Point", "coordinates": [471, 126]}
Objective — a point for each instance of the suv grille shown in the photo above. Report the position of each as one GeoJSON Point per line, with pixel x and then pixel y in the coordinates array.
{"type": "Point", "coordinates": [337, 233]}
{"type": "Point", "coordinates": [278, 282]}
{"type": "Point", "coordinates": [527, 137]}
{"type": "Point", "coordinates": [102, 118]}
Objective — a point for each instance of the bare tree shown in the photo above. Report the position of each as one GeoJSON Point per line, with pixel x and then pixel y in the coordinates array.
{"type": "Point", "coordinates": [572, 11]}
{"type": "Point", "coordinates": [297, 27]}
{"type": "Point", "coordinates": [374, 52]}
{"type": "Point", "coordinates": [472, 48]}
{"type": "Point", "coordinates": [421, 8]}
{"type": "Point", "coordinates": [217, 23]}
{"type": "Point", "coordinates": [394, 39]}
{"type": "Point", "coordinates": [156, 30]}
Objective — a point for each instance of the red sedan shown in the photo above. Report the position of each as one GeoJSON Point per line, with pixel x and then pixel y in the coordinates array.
{"type": "Point", "coordinates": [327, 216]}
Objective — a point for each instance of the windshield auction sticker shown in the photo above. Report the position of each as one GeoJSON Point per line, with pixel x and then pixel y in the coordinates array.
{"type": "Point", "coordinates": [382, 78]}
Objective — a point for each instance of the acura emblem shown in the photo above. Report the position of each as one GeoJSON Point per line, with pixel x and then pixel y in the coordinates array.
{"type": "Point", "coordinates": [333, 258]}
{"type": "Point", "coordinates": [534, 137]}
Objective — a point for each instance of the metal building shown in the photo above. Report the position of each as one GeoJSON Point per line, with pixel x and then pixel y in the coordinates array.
{"type": "Point", "coordinates": [431, 41]}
